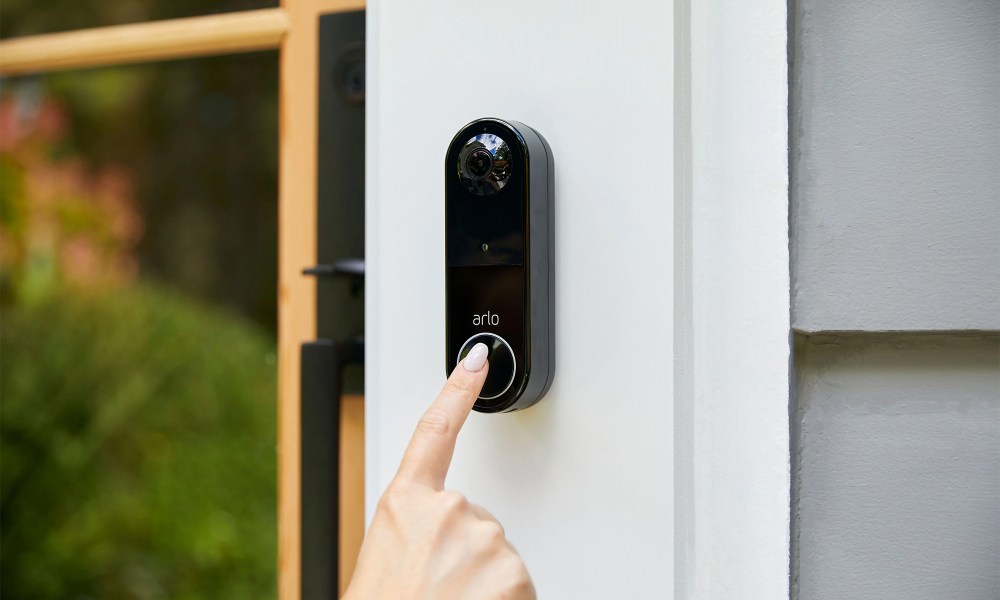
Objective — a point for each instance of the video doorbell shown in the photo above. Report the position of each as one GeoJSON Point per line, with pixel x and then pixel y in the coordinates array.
{"type": "Point", "coordinates": [499, 190]}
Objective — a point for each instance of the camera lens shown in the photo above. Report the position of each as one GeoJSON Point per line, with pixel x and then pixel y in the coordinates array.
{"type": "Point", "coordinates": [485, 164]}
{"type": "Point", "coordinates": [480, 163]}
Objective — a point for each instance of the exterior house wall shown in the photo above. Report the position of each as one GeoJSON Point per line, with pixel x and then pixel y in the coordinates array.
{"type": "Point", "coordinates": [895, 242]}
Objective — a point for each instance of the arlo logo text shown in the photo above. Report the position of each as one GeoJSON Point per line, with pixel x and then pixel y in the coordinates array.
{"type": "Point", "coordinates": [486, 318]}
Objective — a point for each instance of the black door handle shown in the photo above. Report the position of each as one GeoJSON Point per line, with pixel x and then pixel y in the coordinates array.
{"type": "Point", "coordinates": [323, 363]}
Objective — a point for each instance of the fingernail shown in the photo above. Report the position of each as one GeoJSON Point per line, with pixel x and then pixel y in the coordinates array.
{"type": "Point", "coordinates": [476, 358]}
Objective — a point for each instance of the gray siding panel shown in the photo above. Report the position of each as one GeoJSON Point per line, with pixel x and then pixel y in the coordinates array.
{"type": "Point", "coordinates": [897, 467]}
{"type": "Point", "coordinates": [896, 165]}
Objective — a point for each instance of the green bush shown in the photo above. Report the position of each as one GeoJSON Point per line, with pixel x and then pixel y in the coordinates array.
{"type": "Point", "coordinates": [137, 449]}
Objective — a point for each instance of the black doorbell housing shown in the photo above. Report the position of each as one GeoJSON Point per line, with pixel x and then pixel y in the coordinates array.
{"type": "Point", "coordinates": [499, 190]}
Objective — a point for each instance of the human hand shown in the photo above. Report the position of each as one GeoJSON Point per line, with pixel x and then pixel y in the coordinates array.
{"type": "Point", "coordinates": [426, 542]}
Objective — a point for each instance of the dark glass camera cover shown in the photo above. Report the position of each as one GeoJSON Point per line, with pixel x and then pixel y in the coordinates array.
{"type": "Point", "coordinates": [484, 164]}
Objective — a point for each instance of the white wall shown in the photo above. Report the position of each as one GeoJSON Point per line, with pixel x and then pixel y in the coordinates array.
{"type": "Point", "coordinates": [585, 481]}
{"type": "Point", "coordinates": [733, 489]}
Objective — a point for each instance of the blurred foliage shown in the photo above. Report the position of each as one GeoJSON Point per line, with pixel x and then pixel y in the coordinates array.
{"type": "Point", "coordinates": [137, 424]}
{"type": "Point", "coordinates": [138, 451]}
{"type": "Point", "coordinates": [137, 427]}
{"type": "Point", "coordinates": [60, 219]}
{"type": "Point", "coordinates": [196, 141]}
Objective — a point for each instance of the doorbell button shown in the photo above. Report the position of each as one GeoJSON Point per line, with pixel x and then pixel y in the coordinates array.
{"type": "Point", "coordinates": [503, 365]}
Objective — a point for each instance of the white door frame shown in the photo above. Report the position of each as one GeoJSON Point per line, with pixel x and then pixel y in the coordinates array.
{"type": "Point", "coordinates": [732, 328]}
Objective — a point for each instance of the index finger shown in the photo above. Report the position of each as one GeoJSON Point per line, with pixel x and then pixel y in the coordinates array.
{"type": "Point", "coordinates": [428, 456]}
